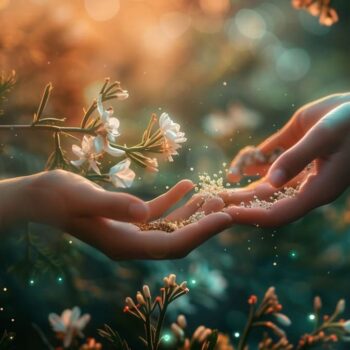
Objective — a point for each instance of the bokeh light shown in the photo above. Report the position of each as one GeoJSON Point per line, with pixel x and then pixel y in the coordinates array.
{"type": "Point", "coordinates": [102, 10]}
{"type": "Point", "coordinates": [250, 23]}
{"type": "Point", "coordinates": [293, 64]}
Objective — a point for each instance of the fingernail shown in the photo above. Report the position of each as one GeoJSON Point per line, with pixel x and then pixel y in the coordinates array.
{"type": "Point", "coordinates": [234, 170]}
{"type": "Point", "coordinates": [138, 211]}
{"type": "Point", "coordinates": [277, 177]}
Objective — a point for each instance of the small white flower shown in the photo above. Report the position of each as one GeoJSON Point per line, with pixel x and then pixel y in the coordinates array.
{"type": "Point", "coordinates": [346, 326]}
{"type": "Point", "coordinates": [283, 319]}
{"type": "Point", "coordinates": [122, 95]}
{"type": "Point", "coordinates": [110, 124]}
{"type": "Point", "coordinates": [121, 175]}
{"type": "Point", "coordinates": [172, 135]}
{"type": "Point", "coordinates": [152, 164]}
{"type": "Point", "coordinates": [114, 152]}
{"type": "Point", "coordinates": [70, 324]}
{"type": "Point", "coordinates": [91, 148]}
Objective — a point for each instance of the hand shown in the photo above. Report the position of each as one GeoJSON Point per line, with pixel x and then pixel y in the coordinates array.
{"type": "Point", "coordinates": [317, 135]}
{"type": "Point", "coordinates": [87, 211]}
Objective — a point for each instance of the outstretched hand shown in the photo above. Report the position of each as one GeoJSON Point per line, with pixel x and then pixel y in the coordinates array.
{"type": "Point", "coordinates": [316, 144]}
{"type": "Point", "coordinates": [104, 219]}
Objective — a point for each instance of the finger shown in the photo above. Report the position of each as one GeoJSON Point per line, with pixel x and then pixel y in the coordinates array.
{"type": "Point", "coordinates": [162, 245]}
{"type": "Point", "coordinates": [318, 142]}
{"type": "Point", "coordinates": [186, 210]}
{"type": "Point", "coordinates": [124, 241]}
{"type": "Point", "coordinates": [117, 206]}
{"type": "Point", "coordinates": [213, 205]}
{"type": "Point", "coordinates": [164, 202]}
{"type": "Point", "coordinates": [250, 170]}
{"type": "Point", "coordinates": [313, 193]}
{"type": "Point", "coordinates": [259, 190]}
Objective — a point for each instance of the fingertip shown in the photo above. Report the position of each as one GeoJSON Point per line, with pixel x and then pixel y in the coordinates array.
{"type": "Point", "coordinates": [277, 177]}
{"type": "Point", "coordinates": [186, 185]}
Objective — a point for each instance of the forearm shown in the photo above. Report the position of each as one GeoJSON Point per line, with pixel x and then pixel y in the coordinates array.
{"type": "Point", "coordinates": [15, 200]}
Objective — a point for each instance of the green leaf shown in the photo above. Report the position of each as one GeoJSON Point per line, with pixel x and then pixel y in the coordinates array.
{"type": "Point", "coordinates": [7, 82]}
{"type": "Point", "coordinates": [43, 103]}
{"type": "Point", "coordinates": [114, 338]}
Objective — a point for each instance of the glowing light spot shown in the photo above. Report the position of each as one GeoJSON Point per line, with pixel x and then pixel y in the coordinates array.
{"type": "Point", "coordinates": [311, 317]}
{"type": "Point", "coordinates": [4, 3]}
{"type": "Point", "coordinates": [193, 282]}
{"type": "Point", "coordinates": [5, 289]}
{"type": "Point", "coordinates": [60, 279]}
{"type": "Point", "coordinates": [70, 242]}
{"type": "Point", "coordinates": [31, 282]}
{"type": "Point", "coordinates": [224, 83]}
{"type": "Point", "coordinates": [250, 24]}
{"type": "Point", "coordinates": [1, 309]}
{"type": "Point", "coordinates": [12, 320]}
{"type": "Point", "coordinates": [192, 169]}
{"type": "Point", "coordinates": [102, 10]}
{"type": "Point", "coordinates": [174, 24]}
{"type": "Point", "coordinates": [293, 254]}
{"type": "Point", "coordinates": [293, 64]}
{"type": "Point", "coordinates": [166, 338]}
{"type": "Point", "coordinates": [236, 334]}
{"type": "Point", "coordinates": [215, 7]}
{"type": "Point", "coordinates": [274, 264]}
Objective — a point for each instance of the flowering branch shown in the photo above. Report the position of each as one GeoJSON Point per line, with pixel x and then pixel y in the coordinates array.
{"type": "Point", "coordinates": [145, 308]}
{"type": "Point", "coordinates": [100, 133]}
{"type": "Point", "coordinates": [269, 306]}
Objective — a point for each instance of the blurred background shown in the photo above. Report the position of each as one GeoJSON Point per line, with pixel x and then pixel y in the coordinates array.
{"type": "Point", "coordinates": [231, 72]}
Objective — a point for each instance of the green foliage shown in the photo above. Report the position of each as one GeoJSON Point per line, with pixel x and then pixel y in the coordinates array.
{"type": "Point", "coordinates": [7, 82]}
{"type": "Point", "coordinates": [6, 340]}
{"type": "Point", "coordinates": [114, 338]}
{"type": "Point", "coordinates": [39, 259]}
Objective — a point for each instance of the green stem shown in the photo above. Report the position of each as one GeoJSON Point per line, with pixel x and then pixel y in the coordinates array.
{"type": "Point", "coordinates": [160, 324]}
{"type": "Point", "coordinates": [53, 128]}
{"type": "Point", "coordinates": [149, 332]}
{"type": "Point", "coordinates": [247, 329]}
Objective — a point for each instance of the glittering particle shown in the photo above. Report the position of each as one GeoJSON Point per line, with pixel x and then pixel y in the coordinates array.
{"type": "Point", "coordinates": [70, 242]}
{"type": "Point", "coordinates": [274, 263]}
{"type": "Point", "coordinates": [236, 334]}
{"type": "Point", "coordinates": [191, 169]}
{"type": "Point", "coordinates": [1, 309]}
{"type": "Point", "coordinates": [311, 317]}
{"type": "Point", "coordinates": [5, 289]}
{"type": "Point", "coordinates": [293, 254]}
{"type": "Point", "coordinates": [193, 282]}
{"type": "Point", "coordinates": [31, 282]}
{"type": "Point", "coordinates": [59, 279]}
{"type": "Point", "coordinates": [12, 320]}
{"type": "Point", "coordinates": [224, 83]}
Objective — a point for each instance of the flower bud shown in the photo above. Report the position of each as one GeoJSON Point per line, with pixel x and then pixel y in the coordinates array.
{"type": "Point", "coordinates": [283, 319]}
{"type": "Point", "coordinates": [182, 322]}
{"type": "Point", "coordinates": [317, 303]}
{"type": "Point", "coordinates": [130, 303]}
{"type": "Point", "coordinates": [183, 285]}
{"type": "Point", "coordinates": [172, 280]}
{"type": "Point", "coordinates": [146, 291]}
{"type": "Point", "coordinates": [178, 331]}
{"type": "Point", "coordinates": [140, 299]}
{"type": "Point", "coordinates": [166, 282]}
{"type": "Point", "coordinates": [340, 306]}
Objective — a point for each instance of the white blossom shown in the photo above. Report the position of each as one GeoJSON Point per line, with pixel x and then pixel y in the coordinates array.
{"type": "Point", "coordinates": [70, 324]}
{"type": "Point", "coordinates": [346, 326]}
{"type": "Point", "coordinates": [110, 123]}
{"type": "Point", "coordinates": [121, 175]}
{"type": "Point", "coordinates": [173, 137]}
{"type": "Point", "coordinates": [91, 148]}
